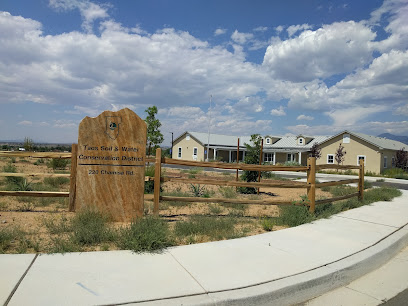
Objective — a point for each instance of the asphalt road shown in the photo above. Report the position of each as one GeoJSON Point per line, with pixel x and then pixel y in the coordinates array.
{"type": "Point", "coordinates": [292, 176]}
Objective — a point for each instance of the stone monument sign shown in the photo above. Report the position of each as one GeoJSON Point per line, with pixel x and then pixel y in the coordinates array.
{"type": "Point", "coordinates": [111, 164]}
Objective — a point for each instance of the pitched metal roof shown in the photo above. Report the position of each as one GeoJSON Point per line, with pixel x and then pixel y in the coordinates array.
{"type": "Point", "coordinates": [380, 142]}
{"type": "Point", "coordinates": [285, 142]}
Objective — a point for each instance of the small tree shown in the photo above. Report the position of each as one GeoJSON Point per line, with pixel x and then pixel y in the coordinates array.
{"type": "Point", "coordinates": [28, 144]}
{"type": "Point", "coordinates": [401, 158]}
{"type": "Point", "coordinates": [340, 155]}
{"type": "Point", "coordinates": [154, 136]}
{"type": "Point", "coordinates": [251, 157]}
{"type": "Point", "coordinates": [315, 151]}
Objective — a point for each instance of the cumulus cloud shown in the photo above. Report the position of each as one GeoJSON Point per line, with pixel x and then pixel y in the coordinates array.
{"type": "Point", "coordinates": [332, 49]}
{"type": "Point", "coordinates": [89, 11]}
{"type": "Point", "coordinates": [278, 111]}
{"type": "Point", "coordinates": [241, 38]}
{"type": "Point", "coordinates": [350, 116]}
{"type": "Point", "coordinates": [293, 29]}
{"type": "Point", "coordinates": [25, 122]}
{"type": "Point", "coordinates": [220, 31]}
{"type": "Point", "coordinates": [261, 29]}
{"type": "Point", "coordinates": [279, 29]}
{"type": "Point", "coordinates": [304, 117]}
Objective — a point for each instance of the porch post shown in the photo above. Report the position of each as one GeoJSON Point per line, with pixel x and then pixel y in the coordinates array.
{"type": "Point", "coordinates": [229, 157]}
{"type": "Point", "coordinates": [300, 157]}
{"type": "Point", "coordinates": [274, 158]}
{"type": "Point", "coordinates": [243, 155]}
{"type": "Point", "coordinates": [215, 153]}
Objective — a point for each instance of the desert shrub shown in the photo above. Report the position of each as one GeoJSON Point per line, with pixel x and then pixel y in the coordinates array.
{"type": "Point", "coordinates": [91, 227]}
{"type": "Point", "coordinates": [291, 163]}
{"type": "Point", "coordinates": [54, 226]}
{"type": "Point", "coordinates": [56, 182]}
{"type": "Point", "coordinates": [268, 224]}
{"type": "Point", "coordinates": [228, 192]}
{"type": "Point", "coordinates": [214, 228]}
{"type": "Point", "coordinates": [57, 163]}
{"type": "Point", "coordinates": [145, 235]}
{"type": "Point", "coordinates": [198, 191]}
{"type": "Point", "coordinates": [294, 215]}
{"type": "Point", "coordinates": [13, 238]}
{"type": "Point", "coordinates": [12, 180]}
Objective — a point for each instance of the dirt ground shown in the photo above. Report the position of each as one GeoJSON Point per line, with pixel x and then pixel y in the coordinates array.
{"type": "Point", "coordinates": [30, 214]}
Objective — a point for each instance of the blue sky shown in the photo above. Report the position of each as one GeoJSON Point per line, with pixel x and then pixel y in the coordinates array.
{"type": "Point", "coordinates": [272, 67]}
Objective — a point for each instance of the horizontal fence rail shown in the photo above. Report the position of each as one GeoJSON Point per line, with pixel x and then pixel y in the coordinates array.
{"type": "Point", "coordinates": [311, 184]}
{"type": "Point", "coordinates": [64, 155]}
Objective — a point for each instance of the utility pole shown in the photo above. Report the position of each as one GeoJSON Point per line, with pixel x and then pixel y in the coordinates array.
{"type": "Point", "coordinates": [209, 124]}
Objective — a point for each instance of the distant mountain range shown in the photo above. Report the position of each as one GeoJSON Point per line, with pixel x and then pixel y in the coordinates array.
{"type": "Point", "coordinates": [403, 139]}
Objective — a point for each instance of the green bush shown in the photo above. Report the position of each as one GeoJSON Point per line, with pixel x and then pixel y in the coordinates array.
{"type": "Point", "coordinates": [396, 173]}
{"type": "Point", "coordinates": [198, 191]}
{"type": "Point", "coordinates": [56, 182]}
{"type": "Point", "coordinates": [294, 215]}
{"type": "Point", "coordinates": [228, 192]}
{"type": "Point", "coordinates": [145, 235]}
{"type": "Point", "coordinates": [90, 227]}
{"type": "Point", "coordinates": [268, 224]}
{"type": "Point", "coordinates": [12, 180]}
{"type": "Point", "coordinates": [57, 163]}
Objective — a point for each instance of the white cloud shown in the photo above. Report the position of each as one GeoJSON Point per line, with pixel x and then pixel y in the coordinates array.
{"type": "Point", "coordinates": [25, 122]}
{"type": "Point", "coordinates": [278, 111]}
{"type": "Point", "coordinates": [336, 48]}
{"type": "Point", "coordinates": [279, 29]}
{"type": "Point", "coordinates": [350, 116]}
{"type": "Point", "coordinates": [299, 27]}
{"type": "Point", "coordinates": [89, 11]}
{"type": "Point", "coordinates": [241, 38]}
{"type": "Point", "coordinates": [261, 29]}
{"type": "Point", "coordinates": [220, 31]}
{"type": "Point", "coordinates": [304, 117]}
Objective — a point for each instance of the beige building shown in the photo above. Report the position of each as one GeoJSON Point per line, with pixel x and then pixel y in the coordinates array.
{"type": "Point", "coordinates": [378, 153]}
{"type": "Point", "coordinates": [276, 149]}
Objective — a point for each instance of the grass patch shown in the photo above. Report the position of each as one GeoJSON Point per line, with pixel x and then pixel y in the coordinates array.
{"type": "Point", "coordinates": [268, 224]}
{"type": "Point", "coordinates": [214, 228]}
{"type": "Point", "coordinates": [57, 226]}
{"type": "Point", "coordinates": [145, 235]}
{"type": "Point", "coordinates": [228, 192]}
{"type": "Point", "coordinates": [214, 209]}
{"type": "Point", "coordinates": [56, 182]}
{"type": "Point", "coordinates": [13, 238]}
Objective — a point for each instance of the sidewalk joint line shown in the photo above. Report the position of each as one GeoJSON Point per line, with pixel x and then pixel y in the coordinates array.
{"type": "Point", "coordinates": [366, 221]}
{"type": "Point", "coordinates": [206, 292]}
{"type": "Point", "coordinates": [20, 280]}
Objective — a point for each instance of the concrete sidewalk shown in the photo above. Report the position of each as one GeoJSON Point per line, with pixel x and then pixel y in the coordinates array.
{"type": "Point", "coordinates": [282, 268]}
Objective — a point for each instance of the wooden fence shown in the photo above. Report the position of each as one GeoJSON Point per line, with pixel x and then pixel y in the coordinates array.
{"type": "Point", "coordinates": [310, 185]}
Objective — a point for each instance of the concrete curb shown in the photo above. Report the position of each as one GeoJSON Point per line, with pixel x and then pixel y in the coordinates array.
{"type": "Point", "coordinates": [304, 286]}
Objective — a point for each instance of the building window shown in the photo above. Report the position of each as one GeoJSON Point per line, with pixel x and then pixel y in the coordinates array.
{"type": "Point", "coordinates": [187, 137]}
{"type": "Point", "coordinates": [268, 141]}
{"type": "Point", "coordinates": [195, 151]}
{"type": "Point", "coordinates": [179, 153]}
{"type": "Point", "coordinates": [330, 158]}
{"type": "Point", "coordinates": [361, 157]}
{"type": "Point", "coordinates": [301, 142]}
{"type": "Point", "coordinates": [290, 157]}
{"type": "Point", "coordinates": [268, 157]}
{"type": "Point", "coordinates": [385, 161]}
{"type": "Point", "coordinates": [346, 138]}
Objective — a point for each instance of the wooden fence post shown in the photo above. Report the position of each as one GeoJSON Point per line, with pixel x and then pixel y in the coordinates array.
{"type": "Point", "coordinates": [72, 184]}
{"type": "Point", "coordinates": [260, 163]}
{"type": "Point", "coordinates": [236, 178]}
{"type": "Point", "coordinates": [157, 174]}
{"type": "Point", "coordinates": [361, 180]}
{"type": "Point", "coordinates": [311, 181]}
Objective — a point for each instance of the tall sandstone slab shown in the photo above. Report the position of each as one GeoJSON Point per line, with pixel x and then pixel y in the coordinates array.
{"type": "Point", "coordinates": [111, 164]}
